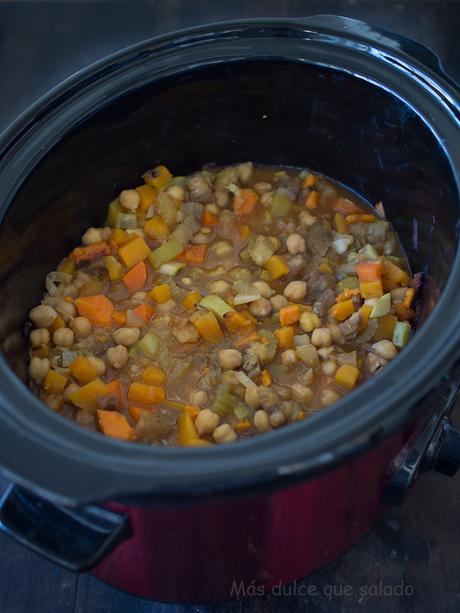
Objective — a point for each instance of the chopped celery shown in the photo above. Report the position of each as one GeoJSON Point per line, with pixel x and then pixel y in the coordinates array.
{"type": "Point", "coordinates": [348, 283]}
{"type": "Point", "coordinates": [308, 355]}
{"type": "Point", "coordinates": [171, 268]}
{"type": "Point", "coordinates": [401, 333]}
{"type": "Point", "coordinates": [178, 368]}
{"type": "Point", "coordinates": [281, 205]}
{"type": "Point", "coordinates": [149, 344]}
{"type": "Point", "coordinates": [112, 215]}
{"type": "Point", "coordinates": [266, 349]}
{"type": "Point", "coordinates": [369, 332]}
{"type": "Point", "coordinates": [216, 305]}
{"type": "Point", "coordinates": [224, 401]}
{"type": "Point", "coordinates": [240, 411]}
{"type": "Point", "coordinates": [166, 252]}
{"type": "Point", "coordinates": [382, 306]}
{"type": "Point", "coordinates": [368, 252]}
{"type": "Point", "coordinates": [247, 292]}
{"type": "Point", "coordinates": [259, 249]}
{"type": "Point", "coordinates": [127, 221]}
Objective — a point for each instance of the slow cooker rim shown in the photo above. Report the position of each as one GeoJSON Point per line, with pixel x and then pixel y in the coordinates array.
{"type": "Point", "coordinates": [283, 437]}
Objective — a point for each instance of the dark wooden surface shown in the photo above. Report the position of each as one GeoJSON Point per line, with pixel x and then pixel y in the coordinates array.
{"type": "Point", "coordinates": [416, 548]}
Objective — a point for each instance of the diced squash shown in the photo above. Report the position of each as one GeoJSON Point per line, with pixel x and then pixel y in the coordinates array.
{"type": "Point", "coordinates": [325, 267]}
{"type": "Point", "coordinates": [115, 389]}
{"type": "Point", "coordinates": [244, 231]}
{"type": "Point", "coordinates": [136, 277]}
{"type": "Point", "coordinates": [54, 382]}
{"type": "Point", "coordinates": [364, 314]}
{"type": "Point", "coordinates": [266, 378]}
{"type": "Point", "coordinates": [113, 267]}
{"type": "Point", "coordinates": [147, 195]}
{"type": "Point", "coordinates": [285, 337]}
{"type": "Point", "coordinates": [289, 315]}
{"type": "Point", "coordinates": [408, 297]}
{"type": "Point", "coordinates": [245, 201]}
{"type": "Point", "coordinates": [346, 376]}
{"type": "Point", "coordinates": [98, 309]}
{"type": "Point", "coordinates": [158, 176]}
{"type": "Point", "coordinates": [116, 425]}
{"type": "Point", "coordinates": [342, 310]}
{"type": "Point", "coordinates": [360, 218]}
{"type": "Point", "coordinates": [386, 328]}
{"type": "Point", "coordinates": [404, 313]}
{"type": "Point", "coordinates": [346, 294]}
{"type": "Point", "coordinates": [195, 254]}
{"type": "Point", "coordinates": [310, 180]}
{"type": "Point", "coordinates": [340, 224]}
{"type": "Point", "coordinates": [57, 323]}
{"type": "Point", "coordinates": [371, 289]}
{"type": "Point", "coordinates": [88, 396]}
{"type": "Point", "coordinates": [276, 267]}
{"type": "Point", "coordinates": [67, 265]}
{"type": "Point", "coordinates": [145, 393]}
{"type": "Point", "coordinates": [208, 326]}
{"type": "Point", "coordinates": [394, 274]}
{"type": "Point", "coordinates": [191, 299]}
{"type": "Point", "coordinates": [235, 321]}
{"type": "Point", "coordinates": [369, 270]}
{"type": "Point", "coordinates": [312, 200]}
{"type": "Point", "coordinates": [160, 293]}
{"type": "Point", "coordinates": [83, 370]}
{"type": "Point", "coordinates": [119, 318]}
{"type": "Point", "coordinates": [136, 413]}
{"type": "Point", "coordinates": [165, 253]}
{"type": "Point", "coordinates": [210, 219]}
{"type": "Point", "coordinates": [187, 432]}
{"type": "Point", "coordinates": [42, 352]}
{"type": "Point", "coordinates": [242, 426]}
{"type": "Point", "coordinates": [157, 229]}
{"type": "Point", "coordinates": [144, 311]}
{"type": "Point", "coordinates": [119, 236]}
{"type": "Point", "coordinates": [134, 252]}
{"type": "Point", "coordinates": [154, 374]}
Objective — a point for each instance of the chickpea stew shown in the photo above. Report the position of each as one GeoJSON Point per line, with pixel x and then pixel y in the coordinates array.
{"type": "Point", "coordinates": [220, 305]}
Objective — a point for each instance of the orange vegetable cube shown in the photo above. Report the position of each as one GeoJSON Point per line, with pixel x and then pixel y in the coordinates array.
{"type": "Point", "coordinates": [115, 390]}
{"type": "Point", "coordinates": [191, 299]}
{"type": "Point", "coordinates": [393, 273]}
{"type": "Point", "coordinates": [136, 278]}
{"type": "Point", "coordinates": [365, 313]}
{"type": "Point", "coordinates": [154, 374]}
{"type": "Point", "coordinates": [147, 195]}
{"type": "Point", "coordinates": [187, 432]}
{"type": "Point", "coordinates": [119, 236]}
{"type": "Point", "coordinates": [289, 314]}
{"type": "Point", "coordinates": [156, 228]}
{"type": "Point", "coordinates": [54, 382]}
{"type": "Point", "coordinates": [244, 231]}
{"type": "Point", "coordinates": [276, 267]}
{"type": "Point", "coordinates": [144, 312]}
{"type": "Point", "coordinates": [207, 325]}
{"type": "Point", "coordinates": [371, 289]}
{"type": "Point", "coordinates": [342, 310]}
{"type": "Point", "coordinates": [116, 425]}
{"type": "Point", "coordinates": [145, 393]}
{"type": "Point", "coordinates": [160, 293]}
{"type": "Point", "coordinates": [88, 396]}
{"type": "Point", "coordinates": [245, 201]}
{"type": "Point", "coordinates": [57, 323]}
{"type": "Point", "coordinates": [310, 180]}
{"type": "Point", "coordinates": [346, 376]}
{"type": "Point", "coordinates": [312, 200]}
{"type": "Point", "coordinates": [133, 252]}
{"type": "Point", "coordinates": [386, 327]}
{"type": "Point", "coordinates": [235, 321]}
{"type": "Point", "coordinates": [157, 177]}
{"type": "Point", "coordinates": [119, 318]}
{"type": "Point", "coordinates": [83, 370]}
{"type": "Point", "coordinates": [113, 267]}
{"type": "Point", "coordinates": [285, 337]}
{"type": "Point", "coordinates": [136, 412]}
{"type": "Point", "coordinates": [266, 378]}
{"type": "Point", "coordinates": [210, 219]}
{"type": "Point", "coordinates": [370, 270]}
{"type": "Point", "coordinates": [97, 308]}
{"type": "Point", "coordinates": [357, 218]}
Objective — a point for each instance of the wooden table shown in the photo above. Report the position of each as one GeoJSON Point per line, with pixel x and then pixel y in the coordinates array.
{"type": "Point", "coordinates": [417, 548]}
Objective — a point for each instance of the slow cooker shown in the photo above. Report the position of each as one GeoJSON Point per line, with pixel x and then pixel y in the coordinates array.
{"type": "Point", "coordinates": [369, 108]}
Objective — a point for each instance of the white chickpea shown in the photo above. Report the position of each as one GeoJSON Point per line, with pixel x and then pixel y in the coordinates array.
{"type": "Point", "coordinates": [306, 218]}
{"type": "Point", "coordinates": [43, 315]}
{"type": "Point", "coordinates": [98, 365]}
{"type": "Point", "coordinates": [251, 397]}
{"type": "Point", "coordinates": [211, 207]}
{"type": "Point", "coordinates": [224, 434]}
{"type": "Point", "coordinates": [81, 327]}
{"type": "Point", "coordinates": [39, 337]}
{"type": "Point", "coordinates": [295, 290]}
{"type": "Point", "coordinates": [289, 357]}
{"type": "Point", "coordinates": [245, 171]}
{"type": "Point", "coordinates": [139, 297]}
{"type": "Point", "coordinates": [321, 337]}
{"type": "Point", "coordinates": [66, 309]}
{"type": "Point", "coordinates": [385, 349]}
{"type": "Point", "coordinates": [329, 367]}
{"type": "Point", "coordinates": [198, 397]}
{"type": "Point", "coordinates": [260, 308]}
{"type": "Point", "coordinates": [307, 377]}
{"type": "Point", "coordinates": [326, 353]}
{"type": "Point", "coordinates": [117, 356]}
{"type": "Point", "coordinates": [277, 419]}
{"type": "Point", "coordinates": [91, 236]}
{"type": "Point", "coordinates": [177, 192]}
{"type": "Point", "coordinates": [262, 187]}
{"type": "Point", "coordinates": [206, 422]}
{"type": "Point", "coordinates": [267, 198]}
{"type": "Point", "coordinates": [295, 244]}
{"type": "Point", "coordinates": [230, 358]}
{"type": "Point", "coordinates": [186, 281]}
{"type": "Point", "coordinates": [264, 289]}
{"type": "Point", "coordinates": [309, 321]}
{"type": "Point", "coordinates": [261, 421]}
{"type": "Point", "coordinates": [301, 393]}
{"type": "Point", "coordinates": [328, 397]}
{"type": "Point", "coordinates": [38, 369]}
{"type": "Point", "coordinates": [167, 306]}
{"type": "Point", "coordinates": [126, 336]}
{"type": "Point", "coordinates": [219, 287]}
{"type": "Point", "coordinates": [222, 248]}
{"type": "Point", "coordinates": [63, 337]}
{"type": "Point", "coordinates": [278, 302]}
{"type": "Point", "coordinates": [222, 199]}
{"type": "Point", "coordinates": [130, 199]}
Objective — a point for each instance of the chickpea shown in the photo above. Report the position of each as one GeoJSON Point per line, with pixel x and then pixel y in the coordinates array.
{"type": "Point", "coordinates": [80, 279]}
{"type": "Point", "coordinates": [98, 364]}
{"type": "Point", "coordinates": [230, 358]}
{"type": "Point", "coordinates": [206, 422]}
{"type": "Point", "coordinates": [261, 421]}
{"type": "Point", "coordinates": [251, 397]}
{"type": "Point", "coordinates": [328, 397]}
{"type": "Point", "coordinates": [301, 393]}
{"type": "Point", "coordinates": [307, 219]}
{"type": "Point", "coordinates": [167, 306]}
{"type": "Point", "coordinates": [126, 336]}
{"type": "Point", "coordinates": [43, 315]}
{"type": "Point", "coordinates": [277, 419]}
{"type": "Point", "coordinates": [329, 367]}
{"type": "Point", "coordinates": [186, 281]}
{"type": "Point", "coordinates": [117, 356]}
{"type": "Point", "coordinates": [198, 397]}
{"type": "Point", "coordinates": [219, 287]}
{"type": "Point", "coordinates": [81, 327]}
{"type": "Point", "coordinates": [39, 337]}
{"type": "Point", "coordinates": [245, 171]}
{"type": "Point", "coordinates": [289, 358]}
{"type": "Point", "coordinates": [295, 290]}
{"type": "Point", "coordinates": [224, 434]}
{"type": "Point", "coordinates": [70, 389]}
{"type": "Point", "coordinates": [139, 297]}
{"type": "Point", "coordinates": [267, 198]}
{"type": "Point", "coordinates": [222, 199]}
{"type": "Point", "coordinates": [130, 199]}
{"type": "Point", "coordinates": [295, 244]}
{"type": "Point", "coordinates": [66, 309]}
{"type": "Point", "coordinates": [321, 337]}
{"type": "Point", "coordinates": [260, 308]}
{"type": "Point", "coordinates": [325, 353]}
{"type": "Point", "coordinates": [177, 192]}
{"type": "Point", "coordinates": [262, 187]}
{"type": "Point", "coordinates": [264, 289]}
{"type": "Point", "coordinates": [385, 349]}
{"type": "Point", "coordinates": [309, 321]}
{"type": "Point", "coordinates": [222, 248]}
{"type": "Point", "coordinates": [278, 302]}
{"type": "Point", "coordinates": [186, 334]}
{"type": "Point", "coordinates": [91, 236]}
{"type": "Point", "coordinates": [38, 369]}
{"type": "Point", "coordinates": [211, 207]}
{"type": "Point", "coordinates": [63, 337]}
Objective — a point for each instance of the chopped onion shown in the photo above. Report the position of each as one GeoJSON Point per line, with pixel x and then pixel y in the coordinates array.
{"type": "Point", "coordinates": [68, 357]}
{"type": "Point", "coordinates": [55, 279]}
{"type": "Point", "coordinates": [244, 379]}
{"type": "Point", "coordinates": [133, 320]}
{"type": "Point", "coordinates": [247, 292]}
{"type": "Point", "coordinates": [341, 243]}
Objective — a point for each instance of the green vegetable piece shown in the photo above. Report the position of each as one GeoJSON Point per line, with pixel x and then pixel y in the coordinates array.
{"type": "Point", "coordinates": [171, 268]}
{"type": "Point", "coordinates": [224, 401]}
{"type": "Point", "coordinates": [281, 205]}
{"type": "Point", "coordinates": [266, 350]}
{"type": "Point", "coordinates": [240, 411]}
{"type": "Point", "coordinates": [166, 252]}
{"type": "Point", "coordinates": [308, 355]}
{"type": "Point", "coordinates": [149, 344]}
{"type": "Point", "coordinates": [381, 307]}
{"type": "Point", "coordinates": [127, 221]}
{"type": "Point", "coordinates": [368, 252]}
{"type": "Point", "coordinates": [112, 214]}
{"type": "Point", "coordinates": [401, 334]}
{"type": "Point", "coordinates": [216, 305]}
{"type": "Point", "coordinates": [348, 283]}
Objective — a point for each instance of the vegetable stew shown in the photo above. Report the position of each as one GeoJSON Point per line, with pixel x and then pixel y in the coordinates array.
{"type": "Point", "coordinates": [220, 305]}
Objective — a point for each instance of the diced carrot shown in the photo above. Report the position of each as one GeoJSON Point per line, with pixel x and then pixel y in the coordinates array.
{"type": "Point", "coordinates": [156, 228]}
{"type": "Point", "coordinates": [119, 318]}
{"type": "Point", "coordinates": [136, 412]}
{"type": "Point", "coordinates": [210, 219]}
{"type": "Point", "coordinates": [90, 252]}
{"type": "Point", "coordinates": [115, 424]}
{"type": "Point", "coordinates": [98, 309]}
{"type": "Point", "coordinates": [285, 337]}
{"type": "Point", "coordinates": [207, 325]}
{"type": "Point", "coordinates": [144, 311]}
{"type": "Point", "coordinates": [191, 299]}
{"type": "Point", "coordinates": [370, 270]}
{"type": "Point", "coordinates": [242, 426]}
{"type": "Point", "coordinates": [54, 382]}
{"type": "Point", "coordinates": [195, 254]}
{"type": "Point", "coordinates": [160, 293]}
{"type": "Point", "coordinates": [312, 200]}
{"type": "Point", "coordinates": [342, 310]}
{"type": "Point", "coordinates": [394, 273]}
{"type": "Point", "coordinates": [346, 207]}
{"type": "Point", "coordinates": [309, 181]}
{"type": "Point", "coordinates": [145, 393]}
{"type": "Point", "coordinates": [115, 390]}
{"type": "Point", "coordinates": [347, 376]}
{"type": "Point", "coordinates": [408, 297]}
{"type": "Point", "coordinates": [83, 370]}
{"type": "Point", "coordinates": [360, 218]}
{"type": "Point", "coordinates": [404, 313]}
{"type": "Point", "coordinates": [289, 314]}
{"type": "Point", "coordinates": [371, 289]}
{"type": "Point", "coordinates": [154, 374]}
{"type": "Point", "coordinates": [234, 321]}
{"type": "Point", "coordinates": [147, 195]}
{"type": "Point", "coordinates": [266, 378]}
{"type": "Point", "coordinates": [245, 201]}
{"type": "Point", "coordinates": [136, 278]}
{"type": "Point", "coordinates": [133, 252]}
{"type": "Point", "coordinates": [364, 314]}
{"type": "Point", "coordinates": [346, 294]}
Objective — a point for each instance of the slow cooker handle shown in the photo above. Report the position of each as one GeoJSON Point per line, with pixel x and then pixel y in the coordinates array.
{"type": "Point", "coordinates": [76, 538]}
